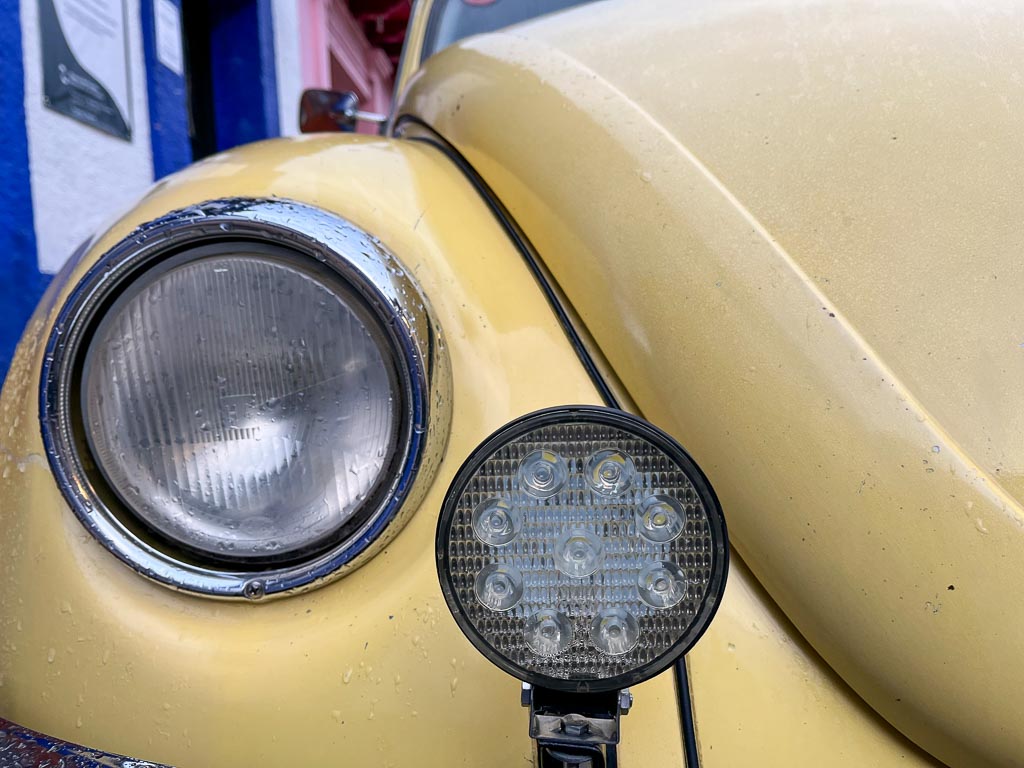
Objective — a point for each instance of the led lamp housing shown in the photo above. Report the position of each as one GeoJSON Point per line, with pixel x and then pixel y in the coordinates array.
{"type": "Point", "coordinates": [582, 549]}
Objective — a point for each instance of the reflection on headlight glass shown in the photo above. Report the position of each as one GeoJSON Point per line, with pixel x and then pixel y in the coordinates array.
{"type": "Point", "coordinates": [240, 404]}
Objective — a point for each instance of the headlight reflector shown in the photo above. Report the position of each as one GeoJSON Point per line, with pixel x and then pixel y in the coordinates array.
{"type": "Point", "coordinates": [237, 398]}
{"type": "Point", "coordinates": [617, 561]}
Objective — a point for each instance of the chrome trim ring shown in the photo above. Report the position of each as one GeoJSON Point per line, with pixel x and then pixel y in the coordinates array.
{"type": "Point", "coordinates": [363, 263]}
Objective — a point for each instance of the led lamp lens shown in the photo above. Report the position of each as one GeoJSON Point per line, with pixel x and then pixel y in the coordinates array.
{"type": "Point", "coordinates": [499, 587]}
{"type": "Point", "coordinates": [662, 584]}
{"type": "Point", "coordinates": [610, 472]}
{"type": "Point", "coordinates": [548, 633]}
{"type": "Point", "coordinates": [578, 553]}
{"type": "Point", "coordinates": [542, 474]}
{"type": "Point", "coordinates": [496, 522]}
{"type": "Point", "coordinates": [582, 549]}
{"type": "Point", "coordinates": [615, 631]}
{"type": "Point", "coordinates": [660, 518]}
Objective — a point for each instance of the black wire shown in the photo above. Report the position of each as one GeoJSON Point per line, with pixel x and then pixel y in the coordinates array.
{"type": "Point", "coordinates": [686, 714]}
{"type": "Point", "coordinates": [530, 257]}
{"type": "Point", "coordinates": [524, 247]}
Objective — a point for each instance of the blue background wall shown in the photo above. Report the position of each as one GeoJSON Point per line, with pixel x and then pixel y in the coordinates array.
{"type": "Point", "coordinates": [238, 72]}
{"type": "Point", "coordinates": [168, 103]}
{"type": "Point", "coordinates": [21, 283]}
{"type": "Point", "coordinates": [244, 76]}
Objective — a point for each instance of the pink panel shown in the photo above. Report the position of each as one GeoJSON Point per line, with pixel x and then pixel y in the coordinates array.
{"type": "Point", "coordinates": [335, 48]}
{"type": "Point", "coordinates": [316, 63]}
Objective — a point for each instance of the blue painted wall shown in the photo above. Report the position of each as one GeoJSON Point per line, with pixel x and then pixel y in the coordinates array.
{"type": "Point", "coordinates": [243, 80]}
{"type": "Point", "coordinates": [168, 103]}
{"type": "Point", "coordinates": [243, 71]}
{"type": "Point", "coordinates": [21, 284]}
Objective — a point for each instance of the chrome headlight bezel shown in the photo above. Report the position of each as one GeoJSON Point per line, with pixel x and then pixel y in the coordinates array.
{"type": "Point", "coordinates": [364, 265]}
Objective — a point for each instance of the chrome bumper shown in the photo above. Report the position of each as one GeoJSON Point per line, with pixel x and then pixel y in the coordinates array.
{"type": "Point", "coordinates": [24, 748]}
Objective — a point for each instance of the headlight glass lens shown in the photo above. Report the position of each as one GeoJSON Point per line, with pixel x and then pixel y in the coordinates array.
{"type": "Point", "coordinates": [616, 560]}
{"type": "Point", "coordinates": [241, 403]}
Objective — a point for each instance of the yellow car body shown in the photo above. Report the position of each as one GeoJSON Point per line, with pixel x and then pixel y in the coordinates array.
{"type": "Point", "coordinates": [788, 234]}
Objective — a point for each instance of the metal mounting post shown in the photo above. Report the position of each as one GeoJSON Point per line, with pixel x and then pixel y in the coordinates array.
{"type": "Point", "coordinates": [575, 730]}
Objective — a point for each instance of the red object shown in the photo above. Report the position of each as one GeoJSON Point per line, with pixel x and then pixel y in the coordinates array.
{"type": "Point", "coordinates": [384, 23]}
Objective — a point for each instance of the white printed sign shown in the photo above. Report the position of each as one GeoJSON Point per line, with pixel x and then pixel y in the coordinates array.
{"type": "Point", "coordinates": [168, 36]}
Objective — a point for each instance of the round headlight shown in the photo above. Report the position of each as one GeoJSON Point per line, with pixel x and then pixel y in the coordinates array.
{"type": "Point", "coordinates": [240, 398]}
{"type": "Point", "coordinates": [582, 549]}
{"type": "Point", "coordinates": [241, 401]}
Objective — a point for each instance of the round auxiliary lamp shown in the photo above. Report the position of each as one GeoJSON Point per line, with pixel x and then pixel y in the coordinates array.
{"type": "Point", "coordinates": [582, 551]}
